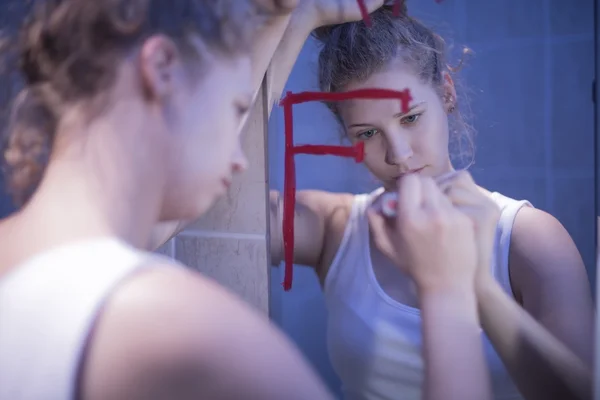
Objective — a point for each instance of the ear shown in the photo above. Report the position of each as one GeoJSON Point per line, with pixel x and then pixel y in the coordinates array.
{"type": "Point", "coordinates": [159, 64]}
{"type": "Point", "coordinates": [449, 96]}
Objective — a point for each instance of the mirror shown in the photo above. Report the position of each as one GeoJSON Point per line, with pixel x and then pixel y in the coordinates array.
{"type": "Point", "coordinates": [525, 93]}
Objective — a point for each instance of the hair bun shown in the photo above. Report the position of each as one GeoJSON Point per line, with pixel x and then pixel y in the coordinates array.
{"type": "Point", "coordinates": [324, 33]}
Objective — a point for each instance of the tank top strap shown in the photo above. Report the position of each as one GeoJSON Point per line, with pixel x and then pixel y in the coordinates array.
{"type": "Point", "coordinates": [48, 306]}
{"type": "Point", "coordinates": [509, 208]}
{"type": "Point", "coordinates": [351, 246]}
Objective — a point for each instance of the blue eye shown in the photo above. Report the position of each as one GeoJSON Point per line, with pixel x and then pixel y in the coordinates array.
{"type": "Point", "coordinates": [368, 134]}
{"type": "Point", "coordinates": [410, 119]}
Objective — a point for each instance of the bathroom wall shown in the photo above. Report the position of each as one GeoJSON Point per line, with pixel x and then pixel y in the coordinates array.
{"type": "Point", "coordinates": [229, 243]}
{"type": "Point", "coordinates": [529, 87]}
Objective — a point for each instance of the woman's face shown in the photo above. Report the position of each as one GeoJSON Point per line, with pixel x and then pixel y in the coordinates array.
{"type": "Point", "coordinates": [205, 102]}
{"type": "Point", "coordinates": [208, 147]}
{"type": "Point", "coordinates": [397, 143]}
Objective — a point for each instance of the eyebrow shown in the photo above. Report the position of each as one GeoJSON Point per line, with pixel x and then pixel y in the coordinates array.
{"type": "Point", "coordinates": [398, 115]}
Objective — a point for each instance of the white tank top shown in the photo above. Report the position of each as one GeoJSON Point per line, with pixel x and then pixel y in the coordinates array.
{"type": "Point", "coordinates": [48, 307]}
{"type": "Point", "coordinates": [374, 341]}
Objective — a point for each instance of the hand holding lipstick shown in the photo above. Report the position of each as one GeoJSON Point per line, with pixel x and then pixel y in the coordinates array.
{"type": "Point", "coordinates": [388, 202]}
{"type": "Point", "coordinates": [428, 236]}
{"type": "Point", "coordinates": [466, 197]}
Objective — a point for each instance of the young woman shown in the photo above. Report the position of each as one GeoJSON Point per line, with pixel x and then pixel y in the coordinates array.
{"type": "Point", "coordinates": [136, 105]}
{"type": "Point", "coordinates": [122, 98]}
{"type": "Point", "coordinates": [374, 313]}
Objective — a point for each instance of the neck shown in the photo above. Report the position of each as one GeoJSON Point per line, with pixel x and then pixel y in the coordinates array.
{"type": "Point", "coordinates": [101, 184]}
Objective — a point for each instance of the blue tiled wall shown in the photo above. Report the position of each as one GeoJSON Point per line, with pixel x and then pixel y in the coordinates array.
{"type": "Point", "coordinates": [529, 86]}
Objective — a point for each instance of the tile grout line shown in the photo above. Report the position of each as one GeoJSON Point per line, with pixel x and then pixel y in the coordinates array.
{"type": "Point", "coordinates": [172, 247]}
{"type": "Point", "coordinates": [195, 233]}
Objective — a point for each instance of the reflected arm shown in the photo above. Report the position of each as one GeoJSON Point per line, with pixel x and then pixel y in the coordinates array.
{"type": "Point", "coordinates": [453, 354]}
{"type": "Point", "coordinates": [283, 60]}
{"type": "Point", "coordinates": [542, 367]}
{"type": "Point", "coordinates": [546, 344]}
{"type": "Point", "coordinates": [313, 210]}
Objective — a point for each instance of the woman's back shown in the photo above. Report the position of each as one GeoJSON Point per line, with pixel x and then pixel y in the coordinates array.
{"type": "Point", "coordinates": [98, 319]}
{"type": "Point", "coordinates": [60, 291]}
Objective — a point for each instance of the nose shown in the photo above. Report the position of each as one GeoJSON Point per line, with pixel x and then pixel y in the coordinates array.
{"type": "Point", "coordinates": [239, 161]}
{"type": "Point", "coordinates": [397, 150]}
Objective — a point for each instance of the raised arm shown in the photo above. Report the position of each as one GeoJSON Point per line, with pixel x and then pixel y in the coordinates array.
{"type": "Point", "coordinates": [312, 214]}
{"type": "Point", "coordinates": [268, 40]}
{"type": "Point", "coordinates": [540, 364]}
{"type": "Point", "coordinates": [309, 15]}
{"type": "Point", "coordinates": [547, 345]}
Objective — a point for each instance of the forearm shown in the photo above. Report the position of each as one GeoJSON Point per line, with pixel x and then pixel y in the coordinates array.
{"type": "Point", "coordinates": [265, 45]}
{"type": "Point", "coordinates": [541, 366]}
{"type": "Point", "coordinates": [298, 30]}
{"type": "Point", "coordinates": [455, 366]}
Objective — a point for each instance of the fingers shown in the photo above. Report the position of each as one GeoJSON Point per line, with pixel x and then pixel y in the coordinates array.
{"type": "Point", "coordinates": [460, 188]}
{"type": "Point", "coordinates": [433, 196]}
{"type": "Point", "coordinates": [381, 232]}
{"type": "Point", "coordinates": [461, 197]}
{"type": "Point", "coordinates": [410, 195]}
{"type": "Point", "coordinates": [416, 192]}
{"type": "Point", "coordinates": [276, 7]}
{"type": "Point", "coordinates": [369, 5]}
{"type": "Point", "coordinates": [469, 195]}
{"type": "Point", "coordinates": [446, 178]}
{"type": "Point", "coordinates": [454, 179]}
{"type": "Point", "coordinates": [467, 198]}
{"type": "Point", "coordinates": [373, 5]}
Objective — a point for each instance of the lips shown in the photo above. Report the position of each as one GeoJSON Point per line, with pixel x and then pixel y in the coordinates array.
{"type": "Point", "coordinates": [416, 171]}
{"type": "Point", "coordinates": [412, 171]}
{"type": "Point", "coordinates": [226, 182]}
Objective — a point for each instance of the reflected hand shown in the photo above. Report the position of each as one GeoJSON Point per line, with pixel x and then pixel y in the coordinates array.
{"type": "Point", "coordinates": [276, 7]}
{"type": "Point", "coordinates": [429, 238]}
{"type": "Point", "coordinates": [331, 12]}
{"type": "Point", "coordinates": [463, 192]}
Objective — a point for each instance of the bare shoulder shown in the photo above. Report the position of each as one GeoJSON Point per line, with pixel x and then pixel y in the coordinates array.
{"type": "Point", "coordinates": [329, 212]}
{"type": "Point", "coordinates": [332, 208]}
{"type": "Point", "coordinates": [170, 333]}
{"type": "Point", "coordinates": [539, 234]}
{"type": "Point", "coordinates": [324, 203]}
{"type": "Point", "coordinates": [312, 224]}
{"type": "Point", "coordinates": [550, 279]}
{"type": "Point", "coordinates": [541, 250]}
